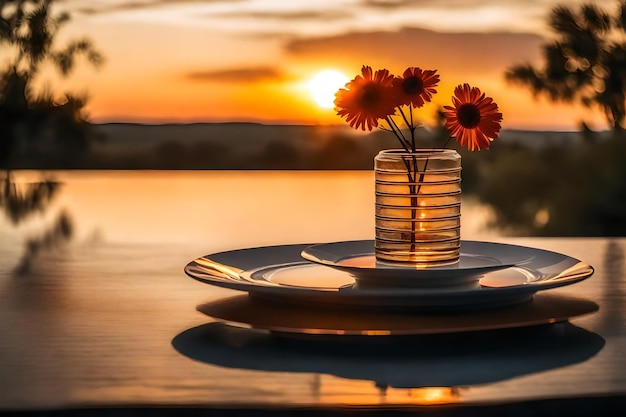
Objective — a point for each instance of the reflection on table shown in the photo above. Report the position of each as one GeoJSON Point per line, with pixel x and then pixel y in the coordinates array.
{"type": "Point", "coordinates": [446, 360]}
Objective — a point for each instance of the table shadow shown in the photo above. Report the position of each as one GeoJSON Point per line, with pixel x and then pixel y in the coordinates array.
{"type": "Point", "coordinates": [416, 361]}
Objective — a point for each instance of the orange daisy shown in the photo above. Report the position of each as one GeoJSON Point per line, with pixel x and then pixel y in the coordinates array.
{"type": "Point", "coordinates": [474, 120]}
{"type": "Point", "coordinates": [415, 87]}
{"type": "Point", "coordinates": [366, 99]}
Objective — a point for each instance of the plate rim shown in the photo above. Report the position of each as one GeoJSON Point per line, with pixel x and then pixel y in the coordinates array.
{"type": "Point", "coordinates": [413, 293]}
{"type": "Point", "coordinates": [457, 291]}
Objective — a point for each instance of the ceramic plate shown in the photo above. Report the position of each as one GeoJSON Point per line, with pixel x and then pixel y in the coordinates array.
{"type": "Point", "coordinates": [248, 312]}
{"type": "Point", "coordinates": [357, 258]}
{"type": "Point", "coordinates": [278, 272]}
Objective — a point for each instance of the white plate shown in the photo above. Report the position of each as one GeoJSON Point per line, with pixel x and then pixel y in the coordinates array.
{"type": "Point", "coordinates": [357, 258]}
{"type": "Point", "coordinates": [289, 319]}
{"type": "Point", "coordinates": [278, 272]}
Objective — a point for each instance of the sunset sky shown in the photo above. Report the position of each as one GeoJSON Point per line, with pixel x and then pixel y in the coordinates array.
{"type": "Point", "coordinates": [251, 60]}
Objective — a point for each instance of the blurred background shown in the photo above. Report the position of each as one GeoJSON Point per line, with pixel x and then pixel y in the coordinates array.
{"type": "Point", "coordinates": [101, 101]}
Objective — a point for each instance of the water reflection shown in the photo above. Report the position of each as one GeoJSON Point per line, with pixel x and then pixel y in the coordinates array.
{"type": "Point", "coordinates": [445, 363]}
{"type": "Point", "coordinates": [20, 202]}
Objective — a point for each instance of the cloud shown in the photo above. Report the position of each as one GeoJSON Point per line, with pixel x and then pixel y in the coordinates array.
{"type": "Point", "coordinates": [287, 15]}
{"type": "Point", "coordinates": [141, 5]}
{"type": "Point", "coordinates": [238, 75]}
{"type": "Point", "coordinates": [458, 52]}
{"type": "Point", "coordinates": [446, 4]}
{"type": "Point", "coordinates": [394, 4]}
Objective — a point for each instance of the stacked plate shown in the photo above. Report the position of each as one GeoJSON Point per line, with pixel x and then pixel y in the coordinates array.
{"type": "Point", "coordinates": [340, 289]}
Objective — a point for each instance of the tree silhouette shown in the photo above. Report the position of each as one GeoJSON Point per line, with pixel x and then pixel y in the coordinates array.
{"type": "Point", "coordinates": [28, 31]}
{"type": "Point", "coordinates": [586, 62]}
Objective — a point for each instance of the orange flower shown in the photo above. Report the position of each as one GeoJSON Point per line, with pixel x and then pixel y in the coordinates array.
{"type": "Point", "coordinates": [415, 87]}
{"type": "Point", "coordinates": [474, 120]}
{"type": "Point", "coordinates": [366, 99]}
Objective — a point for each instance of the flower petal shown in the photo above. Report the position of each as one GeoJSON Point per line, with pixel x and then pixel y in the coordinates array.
{"type": "Point", "coordinates": [473, 136]}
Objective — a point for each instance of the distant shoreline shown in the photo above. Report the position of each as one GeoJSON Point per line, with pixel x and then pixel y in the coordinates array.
{"type": "Point", "coordinates": [245, 146]}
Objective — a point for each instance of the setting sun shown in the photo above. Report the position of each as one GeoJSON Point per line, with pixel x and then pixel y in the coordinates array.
{"type": "Point", "coordinates": [324, 86]}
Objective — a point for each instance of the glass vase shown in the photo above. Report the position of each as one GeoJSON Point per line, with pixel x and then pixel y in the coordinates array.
{"type": "Point", "coordinates": [418, 206]}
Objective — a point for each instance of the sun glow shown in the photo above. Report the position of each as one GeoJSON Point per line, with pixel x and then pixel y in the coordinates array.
{"type": "Point", "coordinates": [324, 85]}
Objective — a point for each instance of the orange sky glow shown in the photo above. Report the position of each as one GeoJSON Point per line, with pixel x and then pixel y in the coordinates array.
{"type": "Point", "coordinates": [251, 60]}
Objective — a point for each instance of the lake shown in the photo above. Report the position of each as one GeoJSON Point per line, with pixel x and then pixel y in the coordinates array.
{"type": "Point", "coordinates": [209, 210]}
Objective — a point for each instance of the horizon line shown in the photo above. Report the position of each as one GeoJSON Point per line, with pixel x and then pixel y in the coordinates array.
{"type": "Point", "coordinates": [178, 122]}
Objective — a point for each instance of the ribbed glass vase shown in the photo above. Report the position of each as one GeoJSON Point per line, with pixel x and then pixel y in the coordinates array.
{"type": "Point", "coordinates": [418, 206]}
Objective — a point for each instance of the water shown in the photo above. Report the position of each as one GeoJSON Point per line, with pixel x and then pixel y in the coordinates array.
{"type": "Point", "coordinates": [213, 210]}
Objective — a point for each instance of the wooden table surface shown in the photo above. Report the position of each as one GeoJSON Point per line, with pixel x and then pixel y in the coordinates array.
{"type": "Point", "coordinates": [107, 326]}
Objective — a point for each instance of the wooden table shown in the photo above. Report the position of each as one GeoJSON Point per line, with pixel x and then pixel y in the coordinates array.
{"type": "Point", "coordinates": [112, 327]}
